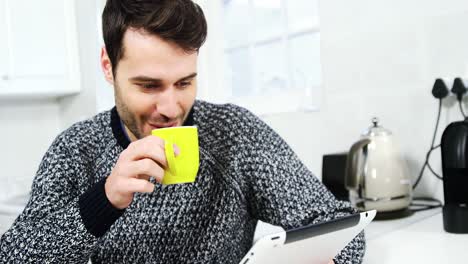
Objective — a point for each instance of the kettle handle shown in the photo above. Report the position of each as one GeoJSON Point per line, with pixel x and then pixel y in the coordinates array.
{"type": "Point", "coordinates": [352, 177]}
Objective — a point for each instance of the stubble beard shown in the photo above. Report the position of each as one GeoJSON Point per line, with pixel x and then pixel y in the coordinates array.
{"type": "Point", "coordinates": [127, 117]}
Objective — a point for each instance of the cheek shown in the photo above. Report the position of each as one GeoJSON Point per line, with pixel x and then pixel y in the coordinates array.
{"type": "Point", "coordinates": [188, 97]}
{"type": "Point", "coordinates": [142, 102]}
{"type": "Point", "coordinates": [136, 101]}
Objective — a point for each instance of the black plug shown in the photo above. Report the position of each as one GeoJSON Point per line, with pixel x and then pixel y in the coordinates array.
{"type": "Point", "coordinates": [439, 90]}
{"type": "Point", "coordinates": [458, 88]}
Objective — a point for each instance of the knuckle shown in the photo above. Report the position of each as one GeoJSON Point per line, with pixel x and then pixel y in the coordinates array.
{"type": "Point", "coordinates": [147, 165]}
{"type": "Point", "coordinates": [160, 171]}
{"type": "Point", "coordinates": [120, 187]}
{"type": "Point", "coordinates": [158, 141]}
{"type": "Point", "coordinates": [147, 148]}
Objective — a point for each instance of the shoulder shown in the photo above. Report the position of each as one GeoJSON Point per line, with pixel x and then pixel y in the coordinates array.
{"type": "Point", "coordinates": [84, 133]}
{"type": "Point", "coordinates": [72, 149]}
{"type": "Point", "coordinates": [225, 115]}
{"type": "Point", "coordinates": [237, 124]}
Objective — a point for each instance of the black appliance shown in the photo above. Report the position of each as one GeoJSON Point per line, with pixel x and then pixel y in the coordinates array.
{"type": "Point", "coordinates": [454, 148]}
{"type": "Point", "coordinates": [333, 174]}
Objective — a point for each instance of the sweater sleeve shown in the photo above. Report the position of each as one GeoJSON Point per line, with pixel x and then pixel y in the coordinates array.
{"type": "Point", "coordinates": [51, 228]}
{"type": "Point", "coordinates": [284, 192]}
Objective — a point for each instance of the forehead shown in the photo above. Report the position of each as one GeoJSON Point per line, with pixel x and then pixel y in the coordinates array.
{"type": "Point", "coordinates": [148, 54]}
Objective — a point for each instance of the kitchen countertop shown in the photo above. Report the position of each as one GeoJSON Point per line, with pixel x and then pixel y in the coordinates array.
{"type": "Point", "coordinates": [416, 239]}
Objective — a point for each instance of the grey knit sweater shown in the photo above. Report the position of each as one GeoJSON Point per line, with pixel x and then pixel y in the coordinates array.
{"type": "Point", "coordinates": [247, 173]}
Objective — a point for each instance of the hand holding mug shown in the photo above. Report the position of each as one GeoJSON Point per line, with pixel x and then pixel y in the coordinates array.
{"type": "Point", "coordinates": [141, 160]}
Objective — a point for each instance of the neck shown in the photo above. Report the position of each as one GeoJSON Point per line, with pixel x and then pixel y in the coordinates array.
{"type": "Point", "coordinates": [131, 137]}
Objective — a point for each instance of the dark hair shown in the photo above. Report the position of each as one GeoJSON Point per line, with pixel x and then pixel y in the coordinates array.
{"type": "Point", "coordinates": [179, 21]}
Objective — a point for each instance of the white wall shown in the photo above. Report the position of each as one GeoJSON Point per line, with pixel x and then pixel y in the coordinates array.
{"type": "Point", "coordinates": [380, 58]}
{"type": "Point", "coordinates": [27, 128]}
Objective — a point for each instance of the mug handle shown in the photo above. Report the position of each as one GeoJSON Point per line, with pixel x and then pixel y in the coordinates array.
{"type": "Point", "coordinates": [170, 156]}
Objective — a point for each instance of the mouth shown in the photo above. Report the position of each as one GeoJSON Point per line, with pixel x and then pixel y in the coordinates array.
{"type": "Point", "coordinates": [157, 126]}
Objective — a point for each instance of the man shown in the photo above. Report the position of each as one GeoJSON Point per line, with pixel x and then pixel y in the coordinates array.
{"type": "Point", "coordinates": [97, 193]}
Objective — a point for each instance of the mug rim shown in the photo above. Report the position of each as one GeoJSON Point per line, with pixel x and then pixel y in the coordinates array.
{"type": "Point", "coordinates": [176, 127]}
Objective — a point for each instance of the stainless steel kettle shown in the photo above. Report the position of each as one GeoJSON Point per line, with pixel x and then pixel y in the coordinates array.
{"type": "Point", "coordinates": [376, 173]}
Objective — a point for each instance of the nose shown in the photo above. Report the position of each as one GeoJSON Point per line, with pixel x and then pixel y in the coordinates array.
{"type": "Point", "coordinates": [168, 104]}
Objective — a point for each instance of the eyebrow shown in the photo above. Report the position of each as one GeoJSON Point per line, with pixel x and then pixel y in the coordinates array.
{"type": "Point", "coordinates": [143, 78]}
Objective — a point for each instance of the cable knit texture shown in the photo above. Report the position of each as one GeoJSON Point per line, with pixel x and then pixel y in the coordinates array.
{"type": "Point", "coordinates": [247, 173]}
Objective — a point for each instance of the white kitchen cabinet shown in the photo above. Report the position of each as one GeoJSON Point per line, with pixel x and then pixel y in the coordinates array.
{"type": "Point", "coordinates": [38, 49]}
{"type": "Point", "coordinates": [3, 46]}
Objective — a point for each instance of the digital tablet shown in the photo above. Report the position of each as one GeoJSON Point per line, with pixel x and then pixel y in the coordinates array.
{"type": "Point", "coordinates": [318, 243]}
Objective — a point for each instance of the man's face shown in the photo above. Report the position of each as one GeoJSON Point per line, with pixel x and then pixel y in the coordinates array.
{"type": "Point", "coordinates": [154, 83]}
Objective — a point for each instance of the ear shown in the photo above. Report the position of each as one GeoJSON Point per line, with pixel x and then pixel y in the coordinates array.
{"type": "Point", "coordinates": [106, 66]}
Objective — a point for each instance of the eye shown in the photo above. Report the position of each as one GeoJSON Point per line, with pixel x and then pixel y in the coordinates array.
{"type": "Point", "coordinates": [149, 86]}
{"type": "Point", "coordinates": [184, 84]}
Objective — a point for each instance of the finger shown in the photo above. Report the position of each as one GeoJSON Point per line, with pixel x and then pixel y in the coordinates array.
{"type": "Point", "coordinates": [144, 177]}
{"type": "Point", "coordinates": [148, 178]}
{"type": "Point", "coordinates": [148, 168]}
{"type": "Point", "coordinates": [139, 185]}
{"type": "Point", "coordinates": [162, 143]}
{"type": "Point", "coordinates": [150, 147]}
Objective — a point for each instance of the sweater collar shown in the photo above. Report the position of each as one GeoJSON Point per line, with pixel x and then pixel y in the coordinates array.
{"type": "Point", "coordinates": [119, 131]}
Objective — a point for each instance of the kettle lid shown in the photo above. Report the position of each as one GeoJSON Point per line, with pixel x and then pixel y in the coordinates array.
{"type": "Point", "coordinates": [376, 129]}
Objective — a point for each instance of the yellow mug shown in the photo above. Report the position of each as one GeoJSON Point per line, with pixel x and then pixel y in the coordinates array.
{"type": "Point", "coordinates": [184, 167]}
